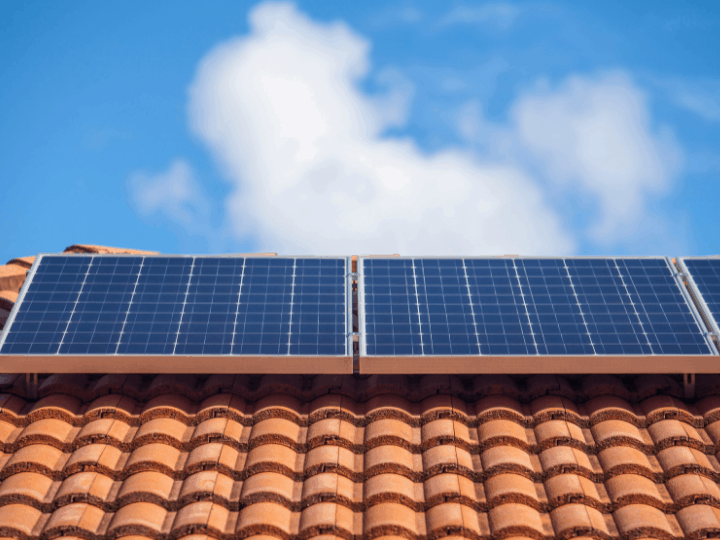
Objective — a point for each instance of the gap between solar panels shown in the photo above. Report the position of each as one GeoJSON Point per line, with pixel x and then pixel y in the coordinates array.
{"type": "Point", "coordinates": [383, 314]}
{"type": "Point", "coordinates": [181, 314]}
{"type": "Point", "coordinates": [533, 315]}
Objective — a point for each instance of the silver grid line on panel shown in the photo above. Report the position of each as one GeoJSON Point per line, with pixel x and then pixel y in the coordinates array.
{"type": "Point", "coordinates": [127, 313]}
{"type": "Point", "coordinates": [417, 305]}
{"type": "Point", "coordinates": [527, 311]}
{"type": "Point", "coordinates": [292, 299]}
{"type": "Point", "coordinates": [79, 294]}
{"type": "Point", "coordinates": [627, 291]}
{"type": "Point", "coordinates": [182, 312]}
{"type": "Point", "coordinates": [237, 306]}
{"type": "Point", "coordinates": [577, 300]}
{"type": "Point", "coordinates": [472, 309]}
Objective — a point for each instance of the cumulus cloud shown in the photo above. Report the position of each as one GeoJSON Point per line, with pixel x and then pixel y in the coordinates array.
{"type": "Point", "coordinates": [594, 136]}
{"type": "Point", "coordinates": [174, 194]}
{"type": "Point", "coordinates": [312, 171]}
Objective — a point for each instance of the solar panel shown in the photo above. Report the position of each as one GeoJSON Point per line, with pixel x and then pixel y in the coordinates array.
{"type": "Point", "coordinates": [181, 306]}
{"type": "Point", "coordinates": [704, 281]}
{"type": "Point", "coordinates": [525, 306]}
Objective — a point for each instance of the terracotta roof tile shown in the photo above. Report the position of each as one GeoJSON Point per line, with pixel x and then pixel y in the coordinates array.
{"type": "Point", "coordinates": [12, 277]}
{"type": "Point", "coordinates": [513, 518]}
{"type": "Point", "coordinates": [31, 486]}
{"type": "Point", "coordinates": [75, 516]}
{"type": "Point", "coordinates": [19, 518]}
{"type": "Point", "coordinates": [642, 519]}
{"type": "Point", "coordinates": [137, 518]}
{"type": "Point", "coordinates": [88, 248]}
{"type": "Point", "coordinates": [279, 485]}
{"type": "Point", "coordinates": [283, 458]}
{"type": "Point", "coordinates": [511, 488]}
{"type": "Point", "coordinates": [566, 488]}
{"type": "Point", "coordinates": [266, 517]}
{"type": "Point", "coordinates": [699, 519]}
{"type": "Point", "coordinates": [143, 484]}
{"type": "Point", "coordinates": [678, 459]}
{"type": "Point", "coordinates": [104, 458]}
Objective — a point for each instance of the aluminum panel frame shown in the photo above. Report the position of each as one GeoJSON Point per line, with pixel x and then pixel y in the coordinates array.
{"type": "Point", "coordinates": [704, 310]}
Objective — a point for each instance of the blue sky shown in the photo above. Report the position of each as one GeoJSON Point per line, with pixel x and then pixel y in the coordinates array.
{"type": "Point", "coordinates": [351, 128]}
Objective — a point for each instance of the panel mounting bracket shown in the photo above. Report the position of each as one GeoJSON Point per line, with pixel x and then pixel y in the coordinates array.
{"type": "Point", "coordinates": [31, 385]}
{"type": "Point", "coordinates": [689, 385]}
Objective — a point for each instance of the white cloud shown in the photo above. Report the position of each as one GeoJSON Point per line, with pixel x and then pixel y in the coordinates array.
{"type": "Point", "coordinates": [175, 194]}
{"type": "Point", "coordinates": [699, 96]}
{"type": "Point", "coordinates": [398, 14]}
{"type": "Point", "coordinates": [499, 14]}
{"type": "Point", "coordinates": [594, 136]}
{"type": "Point", "coordinates": [312, 172]}
{"type": "Point", "coordinates": [705, 106]}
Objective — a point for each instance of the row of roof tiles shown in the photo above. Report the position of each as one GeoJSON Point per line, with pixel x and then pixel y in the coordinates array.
{"type": "Point", "coordinates": [285, 469]}
{"type": "Point", "coordinates": [71, 407]}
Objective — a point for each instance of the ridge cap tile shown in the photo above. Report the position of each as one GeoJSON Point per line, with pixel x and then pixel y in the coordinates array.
{"type": "Point", "coordinates": [91, 248]}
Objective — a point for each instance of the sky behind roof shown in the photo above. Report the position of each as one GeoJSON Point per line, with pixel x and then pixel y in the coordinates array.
{"type": "Point", "coordinates": [438, 128]}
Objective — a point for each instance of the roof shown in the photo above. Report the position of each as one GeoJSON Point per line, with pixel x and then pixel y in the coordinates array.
{"type": "Point", "coordinates": [357, 457]}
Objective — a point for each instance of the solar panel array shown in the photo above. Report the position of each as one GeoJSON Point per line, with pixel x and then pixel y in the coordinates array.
{"type": "Point", "coordinates": [704, 273]}
{"type": "Point", "coordinates": [525, 306]}
{"type": "Point", "coordinates": [155, 305]}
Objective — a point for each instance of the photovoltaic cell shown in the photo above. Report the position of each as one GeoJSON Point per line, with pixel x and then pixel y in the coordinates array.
{"type": "Point", "coordinates": [182, 306]}
{"type": "Point", "coordinates": [159, 295]}
{"type": "Point", "coordinates": [705, 276]}
{"type": "Point", "coordinates": [521, 306]}
{"type": "Point", "coordinates": [209, 321]}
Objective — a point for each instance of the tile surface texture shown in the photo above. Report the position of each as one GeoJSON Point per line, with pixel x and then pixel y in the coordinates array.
{"type": "Point", "coordinates": [173, 456]}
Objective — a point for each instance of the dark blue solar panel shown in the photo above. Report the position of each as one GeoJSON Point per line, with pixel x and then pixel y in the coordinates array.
{"type": "Point", "coordinates": [518, 306]}
{"type": "Point", "coordinates": [182, 306]}
{"type": "Point", "coordinates": [705, 274]}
